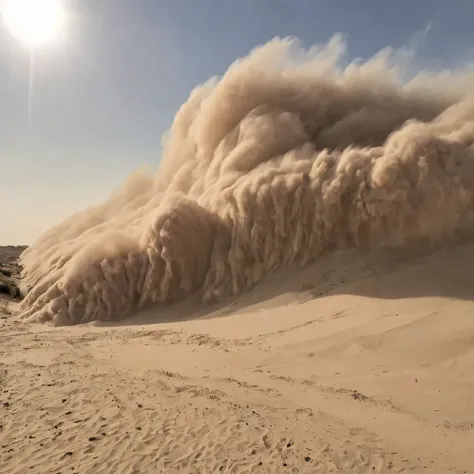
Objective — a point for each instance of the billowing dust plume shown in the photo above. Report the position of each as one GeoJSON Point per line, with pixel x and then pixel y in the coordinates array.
{"type": "Point", "coordinates": [284, 158]}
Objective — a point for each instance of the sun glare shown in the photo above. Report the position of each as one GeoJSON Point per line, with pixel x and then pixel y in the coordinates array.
{"type": "Point", "coordinates": [33, 22]}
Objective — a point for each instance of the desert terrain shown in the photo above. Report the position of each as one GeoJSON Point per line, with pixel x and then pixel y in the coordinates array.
{"type": "Point", "coordinates": [360, 364]}
{"type": "Point", "coordinates": [290, 291]}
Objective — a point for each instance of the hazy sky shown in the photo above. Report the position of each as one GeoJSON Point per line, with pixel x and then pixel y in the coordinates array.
{"type": "Point", "coordinates": [105, 95]}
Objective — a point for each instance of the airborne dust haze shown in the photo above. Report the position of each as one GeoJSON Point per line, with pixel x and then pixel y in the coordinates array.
{"type": "Point", "coordinates": [286, 157]}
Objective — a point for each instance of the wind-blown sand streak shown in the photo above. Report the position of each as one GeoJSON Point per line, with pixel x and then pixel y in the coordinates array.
{"type": "Point", "coordinates": [283, 159]}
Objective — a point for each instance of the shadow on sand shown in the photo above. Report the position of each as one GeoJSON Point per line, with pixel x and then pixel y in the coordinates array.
{"type": "Point", "coordinates": [382, 274]}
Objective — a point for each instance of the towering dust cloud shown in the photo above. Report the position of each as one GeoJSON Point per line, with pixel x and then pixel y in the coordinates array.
{"type": "Point", "coordinates": [284, 158]}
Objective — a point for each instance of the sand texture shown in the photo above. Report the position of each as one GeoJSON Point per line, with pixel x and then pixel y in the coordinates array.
{"type": "Point", "coordinates": [358, 365]}
{"type": "Point", "coordinates": [290, 291]}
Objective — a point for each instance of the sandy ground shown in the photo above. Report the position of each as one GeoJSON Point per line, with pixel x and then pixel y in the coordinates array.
{"type": "Point", "coordinates": [353, 366]}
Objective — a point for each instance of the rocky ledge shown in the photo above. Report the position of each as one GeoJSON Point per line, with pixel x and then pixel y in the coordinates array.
{"type": "Point", "coordinates": [10, 271]}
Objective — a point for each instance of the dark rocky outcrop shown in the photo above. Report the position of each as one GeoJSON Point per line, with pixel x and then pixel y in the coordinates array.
{"type": "Point", "coordinates": [10, 271]}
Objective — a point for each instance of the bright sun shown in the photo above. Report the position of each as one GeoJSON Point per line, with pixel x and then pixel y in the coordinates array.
{"type": "Point", "coordinates": [33, 22]}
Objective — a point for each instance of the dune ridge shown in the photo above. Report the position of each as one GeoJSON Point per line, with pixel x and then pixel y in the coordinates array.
{"type": "Point", "coordinates": [288, 156]}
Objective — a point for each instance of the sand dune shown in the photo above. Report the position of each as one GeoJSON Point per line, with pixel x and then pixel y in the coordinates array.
{"type": "Point", "coordinates": [331, 373]}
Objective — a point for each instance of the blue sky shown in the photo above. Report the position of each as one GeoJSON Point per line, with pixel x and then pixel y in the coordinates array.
{"type": "Point", "coordinates": [105, 95]}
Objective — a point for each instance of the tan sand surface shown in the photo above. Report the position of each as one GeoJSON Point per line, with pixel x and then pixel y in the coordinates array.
{"type": "Point", "coordinates": [358, 365]}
